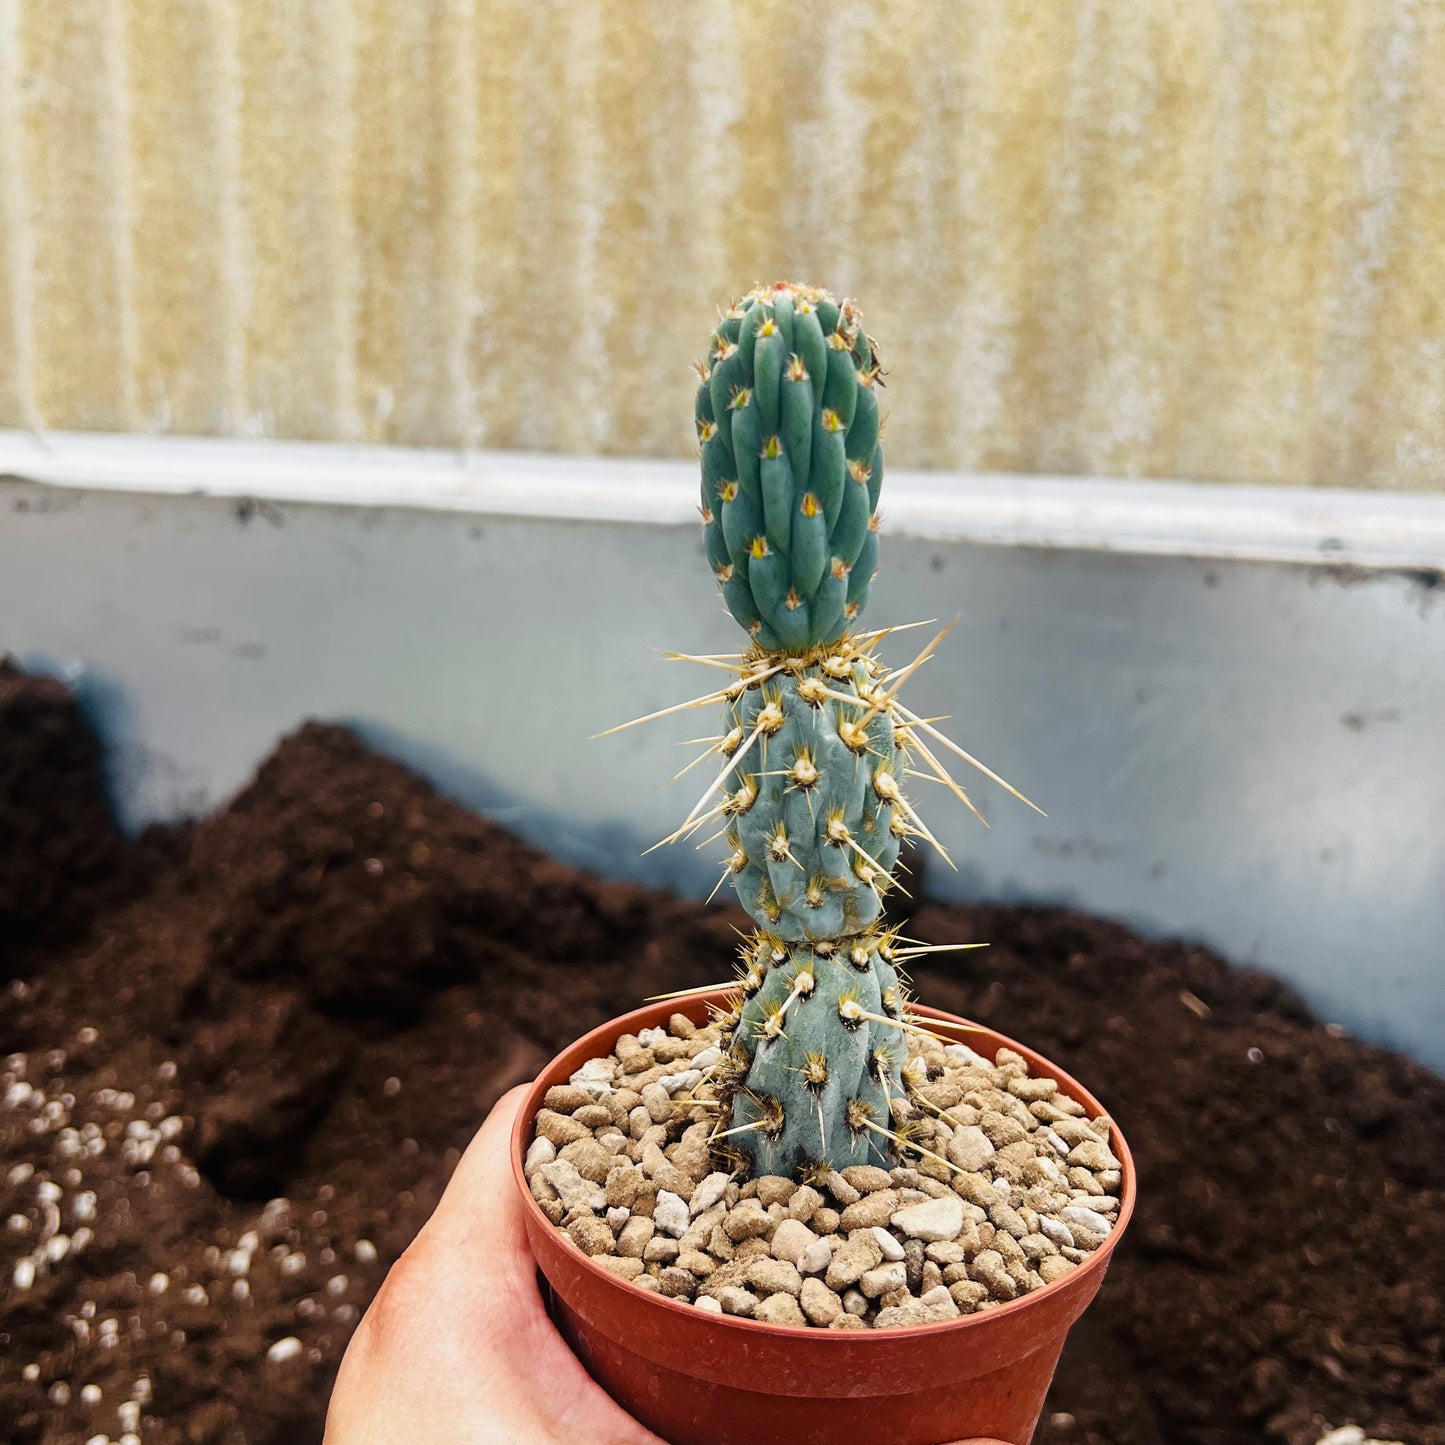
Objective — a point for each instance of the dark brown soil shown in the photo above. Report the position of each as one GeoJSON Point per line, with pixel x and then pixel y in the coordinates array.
{"type": "Point", "coordinates": [312, 998]}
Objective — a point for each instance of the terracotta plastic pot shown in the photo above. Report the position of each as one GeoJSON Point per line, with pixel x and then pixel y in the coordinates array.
{"type": "Point", "coordinates": [705, 1379]}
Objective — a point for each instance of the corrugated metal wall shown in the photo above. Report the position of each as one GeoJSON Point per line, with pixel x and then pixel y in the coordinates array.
{"type": "Point", "coordinates": [1189, 238]}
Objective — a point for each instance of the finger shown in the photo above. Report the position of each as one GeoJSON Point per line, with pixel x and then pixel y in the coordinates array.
{"type": "Point", "coordinates": [480, 1203]}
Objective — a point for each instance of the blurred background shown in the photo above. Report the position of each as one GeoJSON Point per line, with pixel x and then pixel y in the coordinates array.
{"type": "Point", "coordinates": [1194, 238]}
{"type": "Point", "coordinates": [1197, 241]}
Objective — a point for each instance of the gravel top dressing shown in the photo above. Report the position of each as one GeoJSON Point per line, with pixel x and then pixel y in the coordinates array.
{"type": "Point", "coordinates": [239, 1062]}
{"type": "Point", "coordinates": [1016, 1189]}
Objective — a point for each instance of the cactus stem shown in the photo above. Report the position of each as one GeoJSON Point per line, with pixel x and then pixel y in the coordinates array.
{"type": "Point", "coordinates": [862, 852]}
{"type": "Point", "coordinates": [914, 720]}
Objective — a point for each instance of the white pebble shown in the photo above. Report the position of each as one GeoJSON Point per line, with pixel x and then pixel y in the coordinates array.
{"type": "Point", "coordinates": [595, 1076]}
{"type": "Point", "coordinates": [337, 1284]}
{"type": "Point", "coordinates": [98, 1440]}
{"type": "Point", "coordinates": [24, 1275]}
{"type": "Point", "coordinates": [57, 1247]}
{"type": "Point", "coordinates": [708, 1192]}
{"type": "Point", "coordinates": [707, 1058]}
{"type": "Point", "coordinates": [238, 1262]}
{"type": "Point", "coordinates": [31, 1372]}
{"type": "Point", "coordinates": [283, 1350]}
{"type": "Point", "coordinates": [19, 1173]}
{"type": "Point", "coordinates": [90, 1394]}
{"type": "Point", "coordinates": [539, 1152]}
{"type": "Point", "coordinates": [617, 1216]}
{"type": "Point", "coordinates": [195, 1295]}
{"type": "Point", "coordinates": [365, 1251]}
{"type": "Point", "coordinates": [141, 1390]}
{"type": "Point", "coordinates": [240, 1289]}
{"type": "Point", "coordinates": [60, 1393]}
{"type": "Point", "coordinates": [670, 1214]}
{"type": "Point", "coordinates": [18, 1224]}
{"type": "Point", "coordinates": [1088, 1218]}
{"type": "Point", "coordinates": [962, 1054]}
{"type": "Point", "coordinates": [293, 1263]}
{"type": "Point", "coordinates": [707, 1304]}
{"type": "Point", "coordinates": [159, 1283]}
{"type": "Point", "coordinates": [129, 1438]}
{"type": "Point", "coordinates": [888, 1243]}
{"type": "Point", "coordinates": [83, 1206]}
{"type": "Point", "coordinates": [47, 1192]}
{"type": "Point", "coordinates": [934, 1219]}
{"type": "Point", "coordinates": [1056, 1230]}
{"type": "Point", "coordinates": [677, 1083]}
{"type": "Point", "coordinates": [816, 1258]}
{"type": "Point", "coordinates": [128, 1412]}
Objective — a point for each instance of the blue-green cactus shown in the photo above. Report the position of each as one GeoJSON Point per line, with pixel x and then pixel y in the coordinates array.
{"type": "Point", "coordinates": [791, 465]}
{"type": "Point", "coordinates": [819, 1054]}
{"type": "Point", "coordinates": [814, 1072]}
{"type": "Point", "coordinates": [813, 816]}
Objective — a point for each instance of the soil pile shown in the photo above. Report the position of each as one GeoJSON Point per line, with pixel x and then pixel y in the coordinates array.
{"type": "Point", "coordinates": [59, 858]}
{"type": "Point", "coordinates": [247, 1055]}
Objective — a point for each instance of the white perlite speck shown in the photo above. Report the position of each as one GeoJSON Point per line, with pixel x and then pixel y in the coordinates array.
{"type": "Point", "coordinates": [283, 1350]}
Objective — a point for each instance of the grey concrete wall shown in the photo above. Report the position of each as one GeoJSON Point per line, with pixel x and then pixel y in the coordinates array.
{"type": "Point", "coordinates": [1248, 753]}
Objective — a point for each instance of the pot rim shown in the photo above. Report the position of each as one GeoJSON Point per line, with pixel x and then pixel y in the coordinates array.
{"type": "Point", "coordinates": [1086, 1275]}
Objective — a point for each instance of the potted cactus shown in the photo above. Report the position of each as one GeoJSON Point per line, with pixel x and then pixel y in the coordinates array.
{"type": "Point", "coordinates": [802, 1207]}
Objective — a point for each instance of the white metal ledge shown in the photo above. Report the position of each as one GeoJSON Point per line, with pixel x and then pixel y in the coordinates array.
{"type": "Point", "coordinates": [1377, 530]}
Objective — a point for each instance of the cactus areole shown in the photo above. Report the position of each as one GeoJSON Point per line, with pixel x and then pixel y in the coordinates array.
{"type": "Point", "coordinates": [815, 1072]}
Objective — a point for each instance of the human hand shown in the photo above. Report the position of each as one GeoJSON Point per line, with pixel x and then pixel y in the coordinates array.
{"type": "Point", "coordinates": [457, 1348]}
